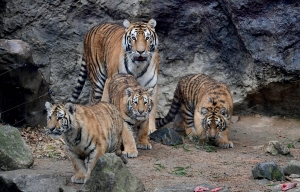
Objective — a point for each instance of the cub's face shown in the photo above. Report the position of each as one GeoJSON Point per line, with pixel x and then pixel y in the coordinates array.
{"type": "Point", "coordinates": [140, 40]}
{"type": "Point", "coordinates": [139, 103]}
{"type": "Point", "coordinates": [214, 121]}
{"type": "Point", "coordinates": [59, 118]}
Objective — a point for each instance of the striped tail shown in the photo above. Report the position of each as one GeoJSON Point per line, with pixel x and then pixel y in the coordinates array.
{"type": "Point", "coordinates": [80, 82]}
{"type": "Point", "coordinates": [175, 106]}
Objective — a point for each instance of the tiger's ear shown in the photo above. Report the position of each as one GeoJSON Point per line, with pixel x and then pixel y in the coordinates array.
{"type": "Point", "coordinates": [71, 108]}
{"type": "Point", "coordinates": [151, 23]}
{"type": "Point", "coordinates": [151, 91]}
{"type": "Point", "coordinates": [128, 91]}
{"type": "Point", "coordinates": [126, 24]}
{"type": "Point", "coordinates": [48, 105]}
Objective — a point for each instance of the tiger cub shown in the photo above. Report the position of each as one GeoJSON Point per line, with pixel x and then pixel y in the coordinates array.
{"type": "Point", "coordinates": [89, 132]}
{"type": "Point", "coordinates": [135, 104]}
{"type": "Point", "coordinates": [204, 107]}
{"type": "Point", "coordinates": [110, 49]}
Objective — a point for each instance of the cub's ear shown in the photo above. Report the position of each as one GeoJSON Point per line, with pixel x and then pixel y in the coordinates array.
{"type": "Point", "coordinates": [151, 91]}
{"type": "Point", "coordinates": [151, 23]}
{"type": "Point", "coordinates": [71, 108]}
{"type": "Point", "coordinates": [126, 24]}
{"type": "Point", "coordinates": [204, 111]}
{"type": "Point", "coordinates": [48, 105]}
{"type": "Point", "coordinates": [128, 92]}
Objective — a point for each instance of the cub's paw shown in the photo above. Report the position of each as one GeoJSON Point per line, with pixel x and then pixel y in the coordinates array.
{"type": "Point", "coordinates": [78, 178]}
{"type": "Point", "coordinates": [226, 145]}
{"type": "Point", "coordinates": [144, 146]}
{"type": "Point", "coordinates": [130, 154]}
{"type": "Point", "coordinates": [151, 130]}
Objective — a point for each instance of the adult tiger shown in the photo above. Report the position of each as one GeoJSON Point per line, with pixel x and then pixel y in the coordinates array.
{"type": "Point", "coordinates": [89, 132]}
{"type": "Point", "coordinates": [203, 106]}
{"type": "Point", "coordinates": [110, 49]}
{"type": "Point", "coordinates": [134, 103]}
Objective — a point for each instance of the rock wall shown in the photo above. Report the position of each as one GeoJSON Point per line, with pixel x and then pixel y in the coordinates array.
{"type": "Point", "coordinates": [253, 46]}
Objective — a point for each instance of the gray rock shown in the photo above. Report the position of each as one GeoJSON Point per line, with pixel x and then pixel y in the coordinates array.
{"type": "Point", "coordinates": [293, 167]}
{"type": "Point", "coordinates": [276, 148]}
{"type": "Point", "coordinates": [23, 89]}
{"type": "Point", "coordinates": [31, 182]}
{"type": "Point", "coordinates": [110, 174]}
{"type": "Point", "coordinates": [166, 136]}
{"type": "Point", "coordinates": [188, 188]}
{"type": "Point", "coordinates": [14, 152]}
{"type": "Point", "coordinates": [268, 170]}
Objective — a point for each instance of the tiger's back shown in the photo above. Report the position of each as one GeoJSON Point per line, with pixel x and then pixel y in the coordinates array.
{"type": "Point", "coordinates": [203, 106]}
{"type": "Point", "coordinates": [134, 103]}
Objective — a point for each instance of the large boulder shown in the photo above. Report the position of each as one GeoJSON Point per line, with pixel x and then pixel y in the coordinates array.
{"type": "Point", "coordinates": [14, 152]}
{"type": "Point", "coordinates": [23, 89]}
{"type": "Point", "coordinates": [253, 46]}
{"type": "Point", "coordinates": [110, 174]}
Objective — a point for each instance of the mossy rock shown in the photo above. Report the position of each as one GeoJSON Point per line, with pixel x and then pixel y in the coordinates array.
{"type": "Point", "coordinates": [14, 152]}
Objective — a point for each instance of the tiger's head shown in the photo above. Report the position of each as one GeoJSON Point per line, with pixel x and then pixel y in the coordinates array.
{"type": "Point", "coordinates": [139, 103]}
{"type": "Point", "coordinates": [59, 118]}
{"type": "Point", "coordinates": [214, 121]}
{"type": "Point", "coordinates": [140, 40]}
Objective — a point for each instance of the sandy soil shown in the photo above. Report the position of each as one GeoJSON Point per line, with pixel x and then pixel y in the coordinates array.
{"type": "Point", "coordinates": [186, 164]}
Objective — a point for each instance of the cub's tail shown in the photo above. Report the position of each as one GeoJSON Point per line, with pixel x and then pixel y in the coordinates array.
{"type": "Point", "coordinates": [175, 106]}
{"type": "Point", "coordinates": [80, 82]}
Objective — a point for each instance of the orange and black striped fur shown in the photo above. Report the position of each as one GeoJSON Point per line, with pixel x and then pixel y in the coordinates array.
{"type": "Point", "coordinates": [135, 104]}
{"type": "Point", "coordinates": [203, 106]}
{"type": "Point", "coordinates": [89, 132]}
{"type": "Point", "coordinates": [110, 49]}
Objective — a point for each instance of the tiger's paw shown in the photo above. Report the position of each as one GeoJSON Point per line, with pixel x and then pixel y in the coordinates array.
{"type": "Point", "coordinates": [78, 178]}
{"type": "Point", "coordinates": [226, 145]}
{"type": "Point", "coordinates": [144, 146]}
{"type": "Point", "coordinates": [151, 130]}
{"type": "Point", "coordinates": [130, 154]}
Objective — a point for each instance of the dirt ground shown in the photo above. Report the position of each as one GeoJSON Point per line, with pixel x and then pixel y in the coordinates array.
{"type": "Point", "coordinates": [188, 164]}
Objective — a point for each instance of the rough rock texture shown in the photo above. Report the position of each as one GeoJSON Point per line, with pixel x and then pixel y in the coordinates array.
{"type": "Point", "coordinates": [275, 148]}
{"type": "Point", "coordinates": [30, 182]}
{"type": "Point", "coordinates": [110, 174]}
{"type": "Point", "coordinates": [253, 46]}
{"type": "Point", "coordinates": [23, 89]}
{"type": "Point", "coordinates": [166, 136]}
{"type": "Point", "coordinates": [268, 170]}
{"type": "Point", "coordinates": [14, 153]}
{"type": "Point", "coordinates": [293, 167]}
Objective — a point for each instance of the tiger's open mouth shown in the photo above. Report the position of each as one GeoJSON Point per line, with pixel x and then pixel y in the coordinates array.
{"type": "Point", "coordinates": [140, 58]}
{"type": "Point", "coordinates": [141, 117]}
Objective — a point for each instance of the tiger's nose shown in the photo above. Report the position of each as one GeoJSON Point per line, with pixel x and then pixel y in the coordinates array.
{"type": "Point", "coordinates": [141, 112]}
{"type": "Point", "coordinates": [140, 52]}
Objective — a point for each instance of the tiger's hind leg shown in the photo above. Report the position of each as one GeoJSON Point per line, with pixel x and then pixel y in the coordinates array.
{"type": "Point", "coordinates": [142, 136]}
{"type": "Point", "coordinates": [178, 121]}
{"type": "Point", "coordinates": [92, 159]}
{"type": "Point", "coordinates": [130, 149]}
{"type": "Point", "coordinates": [80, 169]}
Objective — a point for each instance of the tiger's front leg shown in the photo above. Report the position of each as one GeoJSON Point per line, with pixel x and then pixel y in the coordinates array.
{"type": "Point", "coordinates": [142, 136]}
{"type": "Point", "coordinates": [80, 169]}
{"type": "Point", "coordinates": [130, 149]}
{"type": "Point", "coordinates": [223, 140]}
{"type": "Point", "coordinates": [105, 95]}
{"type": "Point", "coordinates": [152, 115]}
